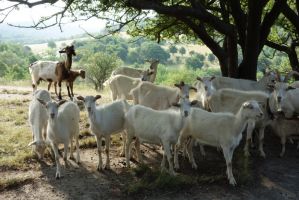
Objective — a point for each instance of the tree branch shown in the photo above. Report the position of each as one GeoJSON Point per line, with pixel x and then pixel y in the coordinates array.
{"type": "Point", "coordinates": [269, 20]}
{"type": "Point", "coordinates": [201, 32]}
{"type": "Point", "coordinates": [183, 11]}
{"type": "Point", "coordinates": [30, 5]}
{"type": "Point", "coordinates": [240, 20]}
{"type": "Point", "coordinates": [291, 15]}
{"type": "Point", "coordinates": [276, 46]}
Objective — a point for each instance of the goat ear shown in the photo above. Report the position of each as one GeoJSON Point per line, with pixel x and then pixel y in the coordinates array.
{"type": "Point", "coordinates": [80, 98]}
{"type": "Point", "coordinates": [262, 104]}
{"type": "Point", "coordinates": [32, 143]}
{"type": "Point", "coordinates": [176, 104]}
{"type": "Point", "coordinates": [97, 97]}
{"type": "Point", "coordinates": [41, 101]}
{"type": "Point", "coordinates": [177, 85]}
{"type": "Point", "coordinates": [193, 88]}
{"type": "Point", "coordinates": [151, 72]}
{"type": "Point", "coordinates": [194, 102]}
{"type": "Point", "coordinates": [212, 78]}
{"type": "Point", "coordinates": [247, 105]}
{"type": "Point", "coordinates": [82, 72]}
{"type": "Point", "coordinates": [61, 102]}
{"type": "Point", "coordinates": [290, 88]}
{"type": "Point", "coordinates": [271, 87]}
{"type": "Point", "coordinates": [199, 79]}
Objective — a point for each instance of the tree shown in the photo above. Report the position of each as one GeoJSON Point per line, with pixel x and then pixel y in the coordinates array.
{"type": "Point", "coordinates": [211, 57]}
{"type": "Point", "coordinates": [134, 57]}
{"type": "Point", "coordinates": [51, 44]}
{"type": "Point", "coordinates": [150, 50]}
{"type": "Point", "coordinates": [172, 49]}
{"type": "Point", "coordinates": [14, 61]}
{"type": "Point", "coordinates": [99, 67]}
{"type": "Point", "coordinates": [182, 51]}
{"type": "Point", "coordinates": [234, 22]}
{"type": "Point", "coordinates": [194, 62]}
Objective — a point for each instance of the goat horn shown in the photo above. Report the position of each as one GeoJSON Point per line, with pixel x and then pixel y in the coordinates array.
{"type": "Point", "coordinates": [290, 74]}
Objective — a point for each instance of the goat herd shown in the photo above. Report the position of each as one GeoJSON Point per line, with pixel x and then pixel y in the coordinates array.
{"type": "Point", "coordinates": [223, 109]}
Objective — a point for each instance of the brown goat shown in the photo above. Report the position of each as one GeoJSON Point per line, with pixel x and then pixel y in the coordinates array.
{"type": "Point", "coordinates": [71, 77]}
{"type": "Point", "coordinates": [62, 70]}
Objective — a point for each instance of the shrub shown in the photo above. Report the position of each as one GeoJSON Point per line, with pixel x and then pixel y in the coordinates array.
{"type": "Point", "coordinates": [211, 57]}
{"type": "Point", "coordinates": [194, 62]}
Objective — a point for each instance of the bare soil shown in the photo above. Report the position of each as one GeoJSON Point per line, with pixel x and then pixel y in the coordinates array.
{"type": "Point", "coordinates": [270, 178]}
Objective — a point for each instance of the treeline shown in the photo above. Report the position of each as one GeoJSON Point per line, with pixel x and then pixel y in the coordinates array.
{"type": "Point", "coordinates": [177, 62]}
{"type": "Point", "coordinates": [14, 61]}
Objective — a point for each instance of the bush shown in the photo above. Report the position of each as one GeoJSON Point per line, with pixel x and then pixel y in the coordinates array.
{"type": "Point", "coordinates": [152, 50]}
{"type": "Point", "coordinates": [182, 51]}
{"type": "Point", "coordinates": [99, 67]}
{"type": "Point", "coordinates": [51, 44]}
{"type": "Point", "coordinates": [173, 49]}
{"type": "Point", "coordinates": [194, 62]}
{"type": "Point", "coordinates": [169, 76]}
{"type": "Point", "coordinates": [211, 57]}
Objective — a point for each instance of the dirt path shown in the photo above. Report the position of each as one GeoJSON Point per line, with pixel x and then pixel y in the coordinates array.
{"type": "Point", "coordinates": [15, 92]}
{"type": "Point", "coordinates": [270, 178]}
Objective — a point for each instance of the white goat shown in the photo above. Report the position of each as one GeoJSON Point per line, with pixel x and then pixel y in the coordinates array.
{"type": "Point", "coordinates": [156, 127]}
{"type": "Point", "coordinates": [155, 96]}
{"type": "Point", "coordinates": [230, 100]}
{"type": "Point", "coordinates": [136, 73]}
{"type": "Point", "coordinates": [284, 99]}
{"type": "Point", "coordinates": [219, 130]}
{"type": "Point", "coordinates": [204, 89]}
{"type": "Point", "coordinates": [63, 126]}
{"type": "Point", "coordinates": [38, 120]}
{"type": "Point", "coordinates": [104, 121]}
{"type": "Point", "coordinates": [284, 128]}
{"type": "Point", "coordinates": [243, 84]}
{"type": "Point", "coordinates": [121, 85]}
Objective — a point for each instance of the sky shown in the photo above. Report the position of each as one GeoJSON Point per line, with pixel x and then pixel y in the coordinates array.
{"type": "Point", "coordinates": [26, 16]}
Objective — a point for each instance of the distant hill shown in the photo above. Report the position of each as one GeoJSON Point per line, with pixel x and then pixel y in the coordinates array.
{"type": "Point", "coordinates": [31, 36]}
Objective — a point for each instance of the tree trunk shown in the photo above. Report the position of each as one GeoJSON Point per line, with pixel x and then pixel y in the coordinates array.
{"type": "Point", "coordinates": [232, 56]}
{"type": "Point", "coordinates": [223, 61]}
{"type": "Point", "coordinates": [248, 67]}
{"type": "Point", "coordinates": [292, 54]}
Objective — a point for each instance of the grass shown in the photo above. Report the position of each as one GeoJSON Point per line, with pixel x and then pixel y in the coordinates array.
{"type": "Point", "coordinates": [15, 132]}
{"type": "Point", "coordinates": [10, 183]}
{"type": "Point", "coordinates": [148, 179]}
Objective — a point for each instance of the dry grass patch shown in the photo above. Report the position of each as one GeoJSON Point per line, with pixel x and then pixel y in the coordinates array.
{"type": "Point", "coordinates": [15, 134]}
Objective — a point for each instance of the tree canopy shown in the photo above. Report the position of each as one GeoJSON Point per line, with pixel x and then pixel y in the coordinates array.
{"type": "Point", "coordinates": [226, 27]}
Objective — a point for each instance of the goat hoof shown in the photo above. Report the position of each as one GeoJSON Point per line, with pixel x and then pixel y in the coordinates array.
{"type": "Point", "coordinates": [263, 155]}
{"type": "Point", "coordinates": [281, 155]}
{"type": "Point", "coordinates": [107, 167]}
{"type": "Point", "coordinates": [57, 175]}
{"type": "Point", "coordinates": [194, 166]}
{"type": "Point", "coordinates": [246, 153]}
{"type": "Point", "coordinates": [99, 168]}
{"type": "Point", "coordinates": [232, 181]}
{"type": "Point", "coordinates": [172, 173]}
{"type": "Point", "coordinates": [121, 154]}
{"type": "Point", "coordinates": [176, 167]}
